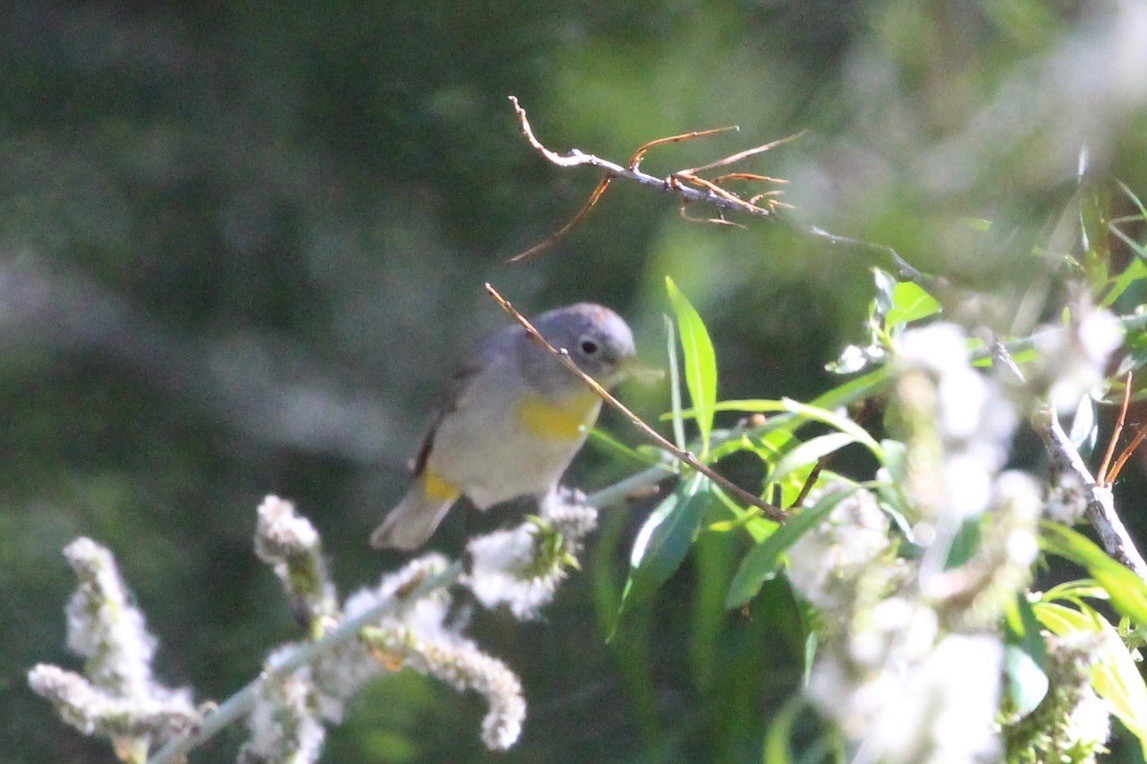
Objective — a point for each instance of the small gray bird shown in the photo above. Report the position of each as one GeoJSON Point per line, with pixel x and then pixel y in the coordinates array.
{"type": "Point", "coordinates": [510, 421]}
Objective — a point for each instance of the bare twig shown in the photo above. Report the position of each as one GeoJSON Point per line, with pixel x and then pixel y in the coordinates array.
{"type": "Point", "coordinates": [635, 160]}
{"type": "Point", "coordinates": [1100, 508]}
{"type": "Point", "coordinates": [1123, 457]}
{"type": "Point", "coordinates": [772, 511]}
{"type": "Point", "coordinates": [576, 158]}
{"type": "Point", "coordinates": [1109, 476]}
{"type": "Point", "coordinates": [1103, 476]}
{"type": "Point", "coordinates": [810, 481]}
{"type": "Point", "coordinates": [562, 232]}
{"type": "Point", "coordinates": [734, 158]}
{"type": "Point", "coordinates": [1100, 501]}
{"type": "Point", "coordinates": [678, 185]}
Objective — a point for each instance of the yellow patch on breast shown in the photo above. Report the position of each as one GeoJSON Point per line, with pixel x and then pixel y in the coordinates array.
{"type": "Point", "coordinates": [557, 420]}
{"type": "Point", "coordinates": [437, 489]}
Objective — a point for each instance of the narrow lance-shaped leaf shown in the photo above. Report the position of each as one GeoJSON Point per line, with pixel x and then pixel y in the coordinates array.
{"type": "Point", "coordinates": [763, 560]}
{"type": "Point", "coordinates": [700, 362]}
{"type": "Point", "coordinates": [1128, 591]}
{"type": "Point", "coordinates": [675, 385]}
{"type": "Point", "coordinates": [1115, 677]}
{"type": "Point", "coordinates": [809, 452]}
{"type": "Point", "coordinates": [664, 540]}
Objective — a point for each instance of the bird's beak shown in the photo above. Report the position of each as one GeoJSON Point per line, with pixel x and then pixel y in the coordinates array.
{"type": "Point", "coordinates": [632, 368]}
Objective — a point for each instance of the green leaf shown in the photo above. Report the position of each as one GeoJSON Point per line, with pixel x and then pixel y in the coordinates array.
{"type": "Point", "coordinates": [854, 390]}
{"type": "Point", "coordinates": [700, 362]}
{"type": "Point", "coordinates": [1135, 271]}
{"type": "Point", "coordinates": [1027, 683]}
{"type": "Point", "coordinates": [1128, 591]}
{"type": "Point", "coordinates": [1115, 677]}
{"type": "Point", "coordinates": [779, 735]}
{"type": "Point", "coordinates": [841, 395]}
{"type": "Point", "coordinates": [1023, 629]}
{"type": "Point", "coordinates": [840, 422]}
{"type": "Point", "coordinates": [1117, 680]}
{"type": "Point", "coordinates": [809, 452]}
{"type": "Point", "coordinates": [895, 459]}
{"type": "Point", "coordinates": [664, 540]}
{"type": "Point", "coordinates": [1027, 680]}
{"type": "Point", "coordinates": [1075, 591]}
{"type": "Point", "coordinates": [910, 303]}
{"type": "Point", "coordinates": [964, 544]}
{"type": "Point", "coordinates": [763, 560]}
{"type": "Point", "coordinates": [674, 385]}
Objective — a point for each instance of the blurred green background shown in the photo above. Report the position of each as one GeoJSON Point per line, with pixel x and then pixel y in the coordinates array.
{"type": "Point", "coordinates": [242, 242]}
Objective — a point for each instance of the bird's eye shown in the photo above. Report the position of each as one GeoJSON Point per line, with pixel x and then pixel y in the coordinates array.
{"type": "Point", "coordinates": [588, 346]}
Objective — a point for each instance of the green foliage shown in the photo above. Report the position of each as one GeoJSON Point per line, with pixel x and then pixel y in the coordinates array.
{"type": "Point", "coordinates": [241, 243]}
{"type": "Point", "coordinates": [700, 363]}
{"type": "Point", "coordinates": [1128, 592]}
{"type": "Point", "coordinates": [1115, 676]}
{"type": "Point", "coordinates": [664, 540]}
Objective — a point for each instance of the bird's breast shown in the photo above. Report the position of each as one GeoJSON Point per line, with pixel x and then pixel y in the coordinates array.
{"type": "Point", "coordinates": [561, 418]}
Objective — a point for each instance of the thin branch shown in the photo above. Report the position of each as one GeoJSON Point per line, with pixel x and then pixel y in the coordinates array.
{"type": "Point", "coordinates": [734, 158]}
{"type": "Point", "coordinates": [772, 511]}
{"type": "Point", "coordinates": [562, 232]}
{"type": "Point", "coordinates": [890, 259]}
{"type": "Point", "coordinates": [810, 481]}
{"type": "Point", "coordinates": [1139, 437]}
{"type": "Point", "coordinates": [1100, 509]}
{"type": "Point", "coordinates": [1103, 476]}
{"type": "Point", "coordinates": [635, 160]}
{"type": "Point", "coordinates": [576, 158]}
{"type": "Point", "coordinates": [1100, 501]}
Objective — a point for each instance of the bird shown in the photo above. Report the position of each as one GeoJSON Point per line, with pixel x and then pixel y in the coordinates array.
{"type": "Point", "coordinates": [510, 420]}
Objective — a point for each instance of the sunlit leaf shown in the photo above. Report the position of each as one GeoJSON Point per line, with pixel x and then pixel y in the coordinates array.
{"type": "Point", "coordinates": [674, 386]}
{"type": "Point", "coordinates": [664, 540]}
{"type": "Point", "coordinates": [839, 421]}
{"type": "Point", "coordinates": [910, 303]}
{"type": "Point", "coordinates": [1128, 591]}
{"type": "Point", "coordinates": [1027, 683]}
{"type": "Point", "coordinates": [1075, 591]}
{"type": "Point", "coordinates": [809, 452]}
{"type": "Point", "coordinates": [1135, 272]}
{"type": "Point", "coordinates": [1117, 680]}
{"type": "Point", "coordinates": [1023, 629]}
{"type": "Point", "coordinates": [1025, 661]}
{"type": "Point", "coordinates": [763, 560]}
{"type": "Point", "coordinates": [608, 443]}
{"type": "Point", "coordinates": [841, 395]}
{"type": "Point", "coordinates": [1115, 677]}
{"type": "Point", "coordinates": [779, 736]}
{"type": "Point", "coordinates": [700, 362]}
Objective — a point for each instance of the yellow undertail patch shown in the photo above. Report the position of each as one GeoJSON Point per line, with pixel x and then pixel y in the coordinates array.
{"type": "Point", "coordinates": [561, 420]}
{"type": "Point", "coordinates": [434, 487]}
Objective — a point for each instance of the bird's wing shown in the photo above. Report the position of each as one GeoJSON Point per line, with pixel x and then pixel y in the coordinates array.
{"type": "Point", "coordinates": [496, 346]}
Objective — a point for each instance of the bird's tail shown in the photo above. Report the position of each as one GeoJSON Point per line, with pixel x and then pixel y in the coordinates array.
{"type": "Point", "coordinates": [411, 523]}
